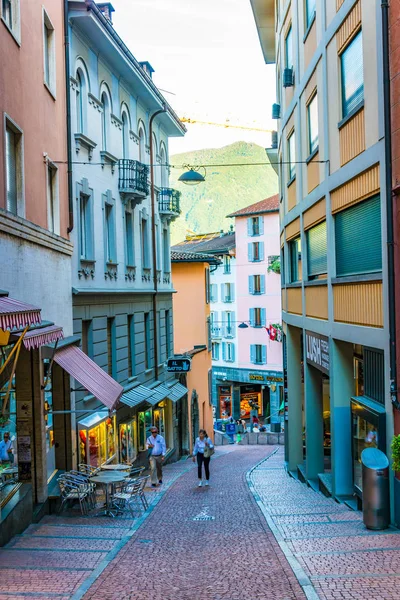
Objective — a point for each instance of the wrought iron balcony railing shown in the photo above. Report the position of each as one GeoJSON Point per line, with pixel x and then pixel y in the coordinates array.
{"type": "Point", "coordinates": [132, 181]}
{"type": "Point", "coordinates": [169, 202]}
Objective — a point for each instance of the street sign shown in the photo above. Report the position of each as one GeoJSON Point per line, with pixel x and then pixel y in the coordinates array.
{"type": "Point", "coordinates": [179, 365]}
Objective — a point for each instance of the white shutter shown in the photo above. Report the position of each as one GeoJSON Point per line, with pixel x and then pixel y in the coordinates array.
{"type": "Point", "coordinates": [261, 225]}
{"type": "Point", "coordinates": [250, 253]}
{"type": "Point", "coordinates": [252, 317]}
{"type": "Point", "coordinates": [264, 354]}
{"type": "Point", "coordinates": [232, 352]}
{"type": "Point", "coordinates": [262, 284]}
{"type": "Point", "coordinates": [222, 292]}
{"type": "Point", "coordinates": [250, 227]}
{"type": "Point", "coordinates": [251, 284]}
{"type": "Point", "coordinates": [233, 324]}
{"type": "Point", "coordinates": [11, 170]}
{"type": "Point", "coordinates": [261, 250]}
{"type": "Point", "coordinates": [232, 292]}
{"type": "Point", "coordinates": [252, 353]}
{"type": "Point", "coordinates": [263, 317]}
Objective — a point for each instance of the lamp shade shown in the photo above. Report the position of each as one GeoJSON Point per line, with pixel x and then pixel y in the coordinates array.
{"type": "Point", "coordinates": [191, 177]}
{"type": "Point", "coordinates": [243, 326]}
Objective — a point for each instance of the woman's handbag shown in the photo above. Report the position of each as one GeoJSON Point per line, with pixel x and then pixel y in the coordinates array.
{"type": "Point", "coordinates": [208, 452]}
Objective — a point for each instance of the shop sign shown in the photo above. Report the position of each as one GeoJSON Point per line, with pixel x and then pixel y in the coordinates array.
{"type": "Point", "coordinates": [317, 351]}
{"type": "Point", "coordinates": [255, 377]}
{"type": "Point", "coordinates": [179, 365]}
{"type": "Point", "coordinates": [258, 377]}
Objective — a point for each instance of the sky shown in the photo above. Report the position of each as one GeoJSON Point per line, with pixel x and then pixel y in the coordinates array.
{"type": "Point", "coordinates": [207, 54]}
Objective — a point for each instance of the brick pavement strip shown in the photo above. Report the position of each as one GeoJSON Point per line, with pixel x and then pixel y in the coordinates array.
{"type": "Point", "coordinates": [339, 556]}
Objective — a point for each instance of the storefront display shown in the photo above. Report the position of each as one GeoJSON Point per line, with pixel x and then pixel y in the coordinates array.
{"type": "Point", "coordinates": [225, 401]}
{"type": "Point", "coordinates": [250, 399]}
{"type": "Point", "coordinates": [159, 417]}
{"type": "Point", "coordinates": [128, 441]}
{"type": "Point", "coordinates": [144, 424]}
{"type": "Point", "coordinates": [97, 443]}
{"type": "Point", "coordinates": [48, 418]}
{"type": "Point", "coordinates": [8, 435]}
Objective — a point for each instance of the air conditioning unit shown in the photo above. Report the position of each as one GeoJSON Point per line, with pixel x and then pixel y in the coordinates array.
{"type": "Point", "coordinates": [288, 78]}
{"type": "Point", "coordinates": [276, 111]}
{"type": "Point", "coordinates": [274, 140]}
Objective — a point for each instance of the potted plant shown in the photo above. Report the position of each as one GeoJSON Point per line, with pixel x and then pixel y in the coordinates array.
{"type": "Point", "coordinates": [395, 447]}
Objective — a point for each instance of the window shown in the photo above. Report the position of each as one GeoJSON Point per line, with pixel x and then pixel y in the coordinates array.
{"type": "Point", "coordinates": [227, 264]}
{"type": "Point", "coordinates": [310, 12]}
{"type": "Point", "coordinates": [213, 292]}
{"type": "Point", "coordinates": [258, 354]}
{"type": "Point", "coordinates": [258, 317]}
{"type": "Point", "coordinates": [351, 63]}
{"type": "Point", "coordinates": [85, 226]}
{"type": "Point", "coordinates": [291, 156]}
{"type": "Point", "coordinates": [227, 292]}
{"type": "Point", "coordinates": [255, 226]}
{"type": "Point", "coordinates": [49, 53]}
{"type": "Point", "coordinates": [166, 252]}
{"type": "Point", "coordinates": [142, 145]}
{"type": "Point", "coordinates": [144, 424]}
{"type": "Point", "coordinates": [255, 251]}
{"type": "Point", "coordinates": [129, 247]}
{"type": "Point", "coordinates": [14, 169]}
{"type": "Point", "coordinates": [87, 338]}
{"type": "Point", "coordinates": [317, 251]}
{"type": "Point", "coordinates": [208, 323]}
{"type": "Point", "coordinates": [53, 218]}
{"type": "Point", "coordinates": [11, 17]}
{"type": "Point", "coordinates": [111, 348]}
{"type": "Point", "coordinates": [228, 351]}
{"type": "Point", "coordinates": [229, 323]}
{"type": "Point", "coordinates": [312, 121]}
{"type": "Point", "coordinates": [145, 243]}
{"type": "Point", "coordinates": [215, 351]}
{"type": "Point", "coordinates": [289, 50]}
{"type": "Point", "coordinates": [168, 333]}
{"type": "Point", "coordinates": [147, 341]}
{"type": "Point", "coordinates": [105, 120]}
{"type": "Point", "coordinates": [358, 238]}
{"type": "Point", "coordinates": [131, 346]}
{"type": "Point", "coordinates": [295, 261]}
{"type": "Point", "coordinates": [159, 340]}
{"type": "Point", "coordinates": [257, 284]}
{"type": "Point", "coordinates": [79, 103]}
{"type": "Point", "coordinates": [125, 136]}
{"type": "Point", "coordinates": [207, 276]}
{"type": "Point", "coordinates": [109, 233]}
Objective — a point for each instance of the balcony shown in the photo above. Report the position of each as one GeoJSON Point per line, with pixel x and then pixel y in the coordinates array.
{"type": "Point", "coordinates": [169, 203]}
{"type": "Point", "coordinates": [216, 333]}
{"type": "Point", "coordinates": [132, 182]}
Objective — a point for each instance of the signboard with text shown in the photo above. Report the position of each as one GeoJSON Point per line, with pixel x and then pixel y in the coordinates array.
{"type": "Point", "coordinates": [317, 351]}
{"type": "Point", "coordinates": [179, 365]}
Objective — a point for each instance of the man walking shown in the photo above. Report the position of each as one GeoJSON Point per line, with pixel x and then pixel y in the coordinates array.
{"type": "Point", "coordinates": [156, 444]}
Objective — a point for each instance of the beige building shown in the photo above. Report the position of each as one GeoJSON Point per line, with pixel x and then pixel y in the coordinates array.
{"type": "Point", "coordinates": [330, 146]}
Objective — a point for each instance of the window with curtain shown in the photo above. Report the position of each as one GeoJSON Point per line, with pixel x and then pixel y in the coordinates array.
{"type": "Point", "coordinates": [310, 12]}
{"type": "Point", "coordinates": [317, 251]}
{"type": "Point", "coordinates": [352, 75]}
{"type": "Point", "coordinates": [289, 49]}
{"type": "Point", "coordinates": [291, 155]}
{"type": "Point", "coordinates": [295, 260]}
{"type": "Point", "coordinates": [312, 121]}
{"type": "Point", "coordinates": [358, 238]}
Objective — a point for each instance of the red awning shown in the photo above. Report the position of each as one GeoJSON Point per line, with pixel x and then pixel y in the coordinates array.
{"type": "Point", "coordinates": [17, 315]}
{"type": "Point", "coordinates": [41, 336]}
{"type": "Point", "coordinates": [90, 375]}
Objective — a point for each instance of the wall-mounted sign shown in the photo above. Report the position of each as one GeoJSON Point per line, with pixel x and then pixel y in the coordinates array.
{"type": "Point", "coordinates": [179, 365]}
{"type": "Point", "coordinates": [258, 377]}
{"type": "Point", "coordinates": [255, 377]}
{"type": "Point", "coordinates": [317, 351]}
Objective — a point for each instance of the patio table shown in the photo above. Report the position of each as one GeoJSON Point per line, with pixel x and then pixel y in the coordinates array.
{"type": "Point", "coordinates": [118, 467]}
{"type": "Point", "coordinates": [108, 480]}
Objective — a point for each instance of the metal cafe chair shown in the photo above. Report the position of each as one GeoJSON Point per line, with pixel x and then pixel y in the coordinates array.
{"type": "Point", "coordinates": [132, 493]}
{"type": "Point", "coordinates": [70, 491]}
{"type": "Point", "coordinates": [88, 469]}
{"type": "Point", "coordinates": [136, 472]}
{"type": "Point", "coordinates": [87, 485]}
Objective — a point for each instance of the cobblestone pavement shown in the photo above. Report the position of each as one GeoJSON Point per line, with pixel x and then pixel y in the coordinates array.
{"type": "Point", "coordinates": [326, 542]}
{"type": "Point", "coordinates": [195, 543]}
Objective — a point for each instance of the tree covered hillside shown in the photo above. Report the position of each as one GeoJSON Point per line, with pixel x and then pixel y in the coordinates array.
{"type": "Point", "coordinates": [226, 189]}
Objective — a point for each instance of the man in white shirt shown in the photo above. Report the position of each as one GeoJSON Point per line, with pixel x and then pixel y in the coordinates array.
{"type": "Point", "coordinates": [156, 444]}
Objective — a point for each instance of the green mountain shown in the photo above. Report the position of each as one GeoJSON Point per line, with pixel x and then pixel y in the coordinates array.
{"type": "Point", "coordinates": [226, 189]}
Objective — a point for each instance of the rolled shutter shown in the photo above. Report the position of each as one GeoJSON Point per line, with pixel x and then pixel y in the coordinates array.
{"type": "Point", "coordinates": [261, 225]}
{"type": "Point", "coordinates": [250, 227]}
{"type": "Point", "coordinates": [252, 353]}
{"type": "Point", "coordinates": [250, 252]}
{"type": "Point", "coordinates": [317, 250]}
{"type": "Point", "coordinates": [261, 250]}
{"type": "Point", "coordinates": [252, 316]}
{"type": "Point", "coordinates": [358, 238]}
{"type": "Point", "coordinates": [251, 284]}
{"type": "Point", "coordinates": [262, 284]}
{"type": "Point", "coordinates": [264, 354]}
{"type": "Point", "coordinates": [263, 317]}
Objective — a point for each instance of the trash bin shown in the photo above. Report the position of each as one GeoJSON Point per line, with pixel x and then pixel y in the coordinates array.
{"type": "Point", "coordinates": [375, 488]}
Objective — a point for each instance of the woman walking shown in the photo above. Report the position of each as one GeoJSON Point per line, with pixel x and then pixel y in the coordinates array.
{"type": "Point", "coordinates": [203, 449]}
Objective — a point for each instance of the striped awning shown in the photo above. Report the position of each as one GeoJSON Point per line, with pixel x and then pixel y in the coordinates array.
{"type": "Point", "coordinates": [159, 393]}
{"type": "Point", "coordinates": [136, 396]}
{"type": "Point", "coordinates": [15, 314]}
{"type": "Point", "coordinates": [39, 337]}
{"type": "Point", "coordinates": [89, 375]}
{"type": "Point", "coordinates": [176, 392]}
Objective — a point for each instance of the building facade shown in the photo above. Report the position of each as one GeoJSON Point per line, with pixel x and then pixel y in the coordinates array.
{"type": "Point", "coordinates": [192, 338]}
{"type": "Point", "coordinates": [123, 207]}
{"type": "Point", "coordinates": [331, 150]}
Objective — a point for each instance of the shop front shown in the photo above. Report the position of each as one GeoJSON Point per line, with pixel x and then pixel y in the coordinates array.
{"type": "Point", "coordinates": [97, 439]}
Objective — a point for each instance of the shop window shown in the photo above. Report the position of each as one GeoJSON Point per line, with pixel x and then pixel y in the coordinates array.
{"type": "Point", "coordinates": [250, 399]}
{"type": "Point", "coordinates": [369, 431]}
{"type": "Point", "coordinates": [10, 461]}
{"type": "Point", "coordinates": [312, 122]}
{"type": "Point", "coordinates": [374, 374]}
{"type": "Point", "coordinates": [97, 443]}
{"type": "Point", "coordinates": [358, 238]}
{"type": "Point", "coordinates": [258, 317]}
{"type": "Point", "coordinates": [317, 251]}
{"type": "Point", "coordinates": [295, 260]}
{"type": "Point", "coordinates": [159, 418]}
{"type": "Point", "coordinates": [258, 354]}
{"type": "Point", "coordinates": [358, 371]}
{"type": "Point", "coordinates": [291, 148]}
{"type": "Point", "coordinates": [225, 401]}
{"type": "Point", "coordinates": [128, 441]}
{"type": "Point", "coordinates": [215, 351]}
{"type": "Point", "coordinates": [131, 346]}
{"type": "Point", "coordinates": [352, 76]}
{"type": "Point", "coordinates": [257, 284]}
{"type": "Point", "coordinates": [144, 424]}
{"type": "Point", "coordinates": [255, 226]}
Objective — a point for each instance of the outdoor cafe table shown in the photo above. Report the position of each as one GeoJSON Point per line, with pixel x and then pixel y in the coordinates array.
{"type": "Point", "coordinates": [108, 479]}
{"type": "Point", "coordinates": [119, 467]}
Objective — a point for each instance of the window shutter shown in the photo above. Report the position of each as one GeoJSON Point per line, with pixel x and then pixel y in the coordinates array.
{"type": "Point", "coordinates": [263, 317]}
{"type": "Point", "coordinates": [250, 227]}
{"type": "Point", "coordinates": [261, 225]}
{"type": "Point", "coordinates": [232, 292]}
{"type": "Point", "coordinates": [252, 353]}
{"type": "Point", "coordinates": [233, 324]}
{"type": "Point", "coordinates": [215, 292]}
{"type": "Point", "coordinates": [262, 284]}
{"type": "Point", "coordinates": [264, 354]}
{"type": "Point", "coordinates": [232, 352]}
{"type": "Point", "coordinates": [251, 284]}
{"type": "Point", "coordinates": [207, 275]}
{"type": "Point", "coordinates": [358, 238]}
{"type": "Point", "coordinates": [250, 252]}
{"type": "Point", "coordinates": [224, 350]}
{"type": "Point", "coordinates": [261, 250]}
{"type": "Point", "coordinates": [317, 250]}
{"type": "Point", "coordinates": [222, 292]}
{"type": "Point", "coordinates": [252, 317]}
{"type": "Point", "coordinates": [11, 171]}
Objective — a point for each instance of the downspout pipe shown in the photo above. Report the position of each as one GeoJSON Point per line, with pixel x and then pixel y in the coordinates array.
{"type": "Point", "coordinates": [389, 203]}
{"type": "Point", "coordinates": [153, 238]}
{"type": "Point", "coordinates": [68, 110]}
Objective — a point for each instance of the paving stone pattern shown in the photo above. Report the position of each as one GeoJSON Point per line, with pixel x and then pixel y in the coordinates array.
{"type": "Point", "coordinates": [342, 559]}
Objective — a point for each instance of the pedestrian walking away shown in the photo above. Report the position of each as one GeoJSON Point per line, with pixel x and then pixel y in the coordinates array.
{"type": "Point", "coordinates": [203, 450]}
{"type": "Point", "coordinates": [157, 449]}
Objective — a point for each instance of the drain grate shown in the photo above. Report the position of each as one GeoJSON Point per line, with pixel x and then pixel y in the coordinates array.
{"type": "Point", "coordinates": [204, 518]}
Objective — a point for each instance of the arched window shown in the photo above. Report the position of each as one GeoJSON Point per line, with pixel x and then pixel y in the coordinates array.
{"type": "Point", "coordinates": [82, 89]}
{"type": "Point", "coordinates": [105, 120]}
{"type": "Point", "coordinates": [142, 145]}
{"type": "Point", "coordinates": [125, 135]}
{"type": "Point", "coordinates": [153, 166]}
{"type": "Point", "coordinates": [164, 169]}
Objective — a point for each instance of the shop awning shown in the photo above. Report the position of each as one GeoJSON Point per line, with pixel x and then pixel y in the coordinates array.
{"type": "Point", "coordinates": [89, 375]}
{"type": "Point", "coordinates": [41, 336]}
{"type": "Point", "coordinates": [159, 393]}
{"type": "Point", "coordinates": [176, 392]}
{"type": "Point", "coordinates": [136, 396]}
{"type": "Point", "coordinates": [15, 314]}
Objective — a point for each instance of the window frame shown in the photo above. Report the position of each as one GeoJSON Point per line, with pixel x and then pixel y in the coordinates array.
{"type": "Point", "coordinates": [289, 48]}
{"type": "Point", "coordinates": [84, 191]}
{"type": "Point", "coordinates": [129, 238]}
{"type": "Point", "coordinates": [49, 56]}
{"type": "Point", "coordinates": [166, 250]}
{"type": "Point", "coordinates": [291, 245]}
{"type": "Point", "coordinates": [215, 346]}
{"type": "Point", "coordinates": [109, 228]}
{"type": "Point", "coordinates": [13, 24]}
{"type": "Point", "coordinates": [131, 334]}
{"type": "Point", "coordinates": [145, 241]}
{"type": "Point", "coordinates": [312, 148]}
{"type": "Point", "coordinates": [53, 198]}
{"type": "Point", "coordinates": [291, 159]}
{"type": "Point", "coordinates": [148, 362]}
{"type": "Point", "coordinates": [318, 274]}
{"type": "Point", "coordinates": [348, 110]}
{"type": "Point", "coordinates": [310, 14]}
{"type": "Point", "coordinates": [10, 125]}
{"type": "Point", "coordinates": [112, 348]}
